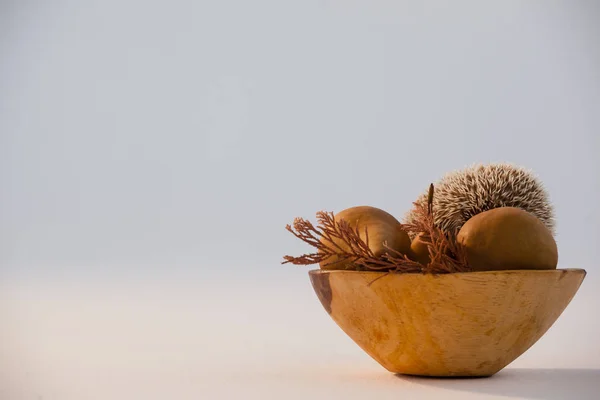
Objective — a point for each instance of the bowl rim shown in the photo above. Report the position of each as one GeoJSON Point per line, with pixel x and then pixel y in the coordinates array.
{"type": "Point", "coordinates": [468, 273]}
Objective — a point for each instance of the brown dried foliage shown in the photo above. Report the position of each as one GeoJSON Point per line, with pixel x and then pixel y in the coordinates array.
{"type": "Point", "coordinates": [356, 253]}
{"type": "Point", "coordinates": [446, 254]}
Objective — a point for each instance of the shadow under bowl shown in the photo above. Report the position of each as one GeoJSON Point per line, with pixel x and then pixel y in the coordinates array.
{"type": "Point", "coordinates": [469, 324]}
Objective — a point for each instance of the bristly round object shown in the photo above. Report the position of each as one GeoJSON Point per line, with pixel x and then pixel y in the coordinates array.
{"type": "Point", "coordinates": [462, 194]}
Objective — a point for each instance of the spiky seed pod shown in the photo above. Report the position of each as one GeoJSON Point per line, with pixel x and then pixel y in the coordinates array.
{"type": "Point", "coordinates": [461, 194]}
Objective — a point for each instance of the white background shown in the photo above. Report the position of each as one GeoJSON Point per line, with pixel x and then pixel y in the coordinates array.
{"type": "Point", "coordinates": [151, 154]}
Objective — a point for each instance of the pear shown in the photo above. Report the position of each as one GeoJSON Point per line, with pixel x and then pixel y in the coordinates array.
{"type": "Point", "coordinates": [382, 227]}
{"type": "Point", "coordinates": [508, 238]}
{"type": "Point", "coordinates": [419, 250]}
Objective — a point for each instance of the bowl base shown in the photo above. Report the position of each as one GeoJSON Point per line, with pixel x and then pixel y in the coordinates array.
{"type": "Point", "coordinates": [448, 377]}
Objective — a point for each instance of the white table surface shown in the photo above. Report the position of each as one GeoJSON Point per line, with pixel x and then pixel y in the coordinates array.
{"type": "Point", "coordinates": [242, 339]}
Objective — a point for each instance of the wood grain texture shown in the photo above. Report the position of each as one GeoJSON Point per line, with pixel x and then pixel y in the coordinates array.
{"type": "Point", "coordinates": [461, 324]}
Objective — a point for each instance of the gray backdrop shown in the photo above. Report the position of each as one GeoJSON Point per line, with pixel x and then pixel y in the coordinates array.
{"type": "Point", "coordinates": [170, 142]}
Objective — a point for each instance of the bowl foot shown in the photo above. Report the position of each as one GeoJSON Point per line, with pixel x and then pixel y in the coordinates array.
{"type": "Point", "coordinates": [449, 377]}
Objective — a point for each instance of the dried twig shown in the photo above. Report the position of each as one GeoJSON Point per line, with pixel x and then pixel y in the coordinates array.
{"type": "Point", "coordinates": [342, 243]}
{"type": "Point", "coordinates": [339, 241]}
{"type": "Point", "coordinates": [445, 253]}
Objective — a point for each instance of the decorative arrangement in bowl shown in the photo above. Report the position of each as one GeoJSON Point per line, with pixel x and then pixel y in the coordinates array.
{"type": "Point", "coordinates": [465, 285]}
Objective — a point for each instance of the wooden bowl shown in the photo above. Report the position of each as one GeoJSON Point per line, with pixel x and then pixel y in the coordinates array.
{"type": "Point", "coordinates": [460, 324]}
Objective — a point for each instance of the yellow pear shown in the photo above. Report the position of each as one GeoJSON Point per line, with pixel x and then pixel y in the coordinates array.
{"type": "Point", "coordinates": [508, 238]}
{"type": "Point", "coordinates": [381, 226]}
{"type": "Point", "coordinates": [420, 251]}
